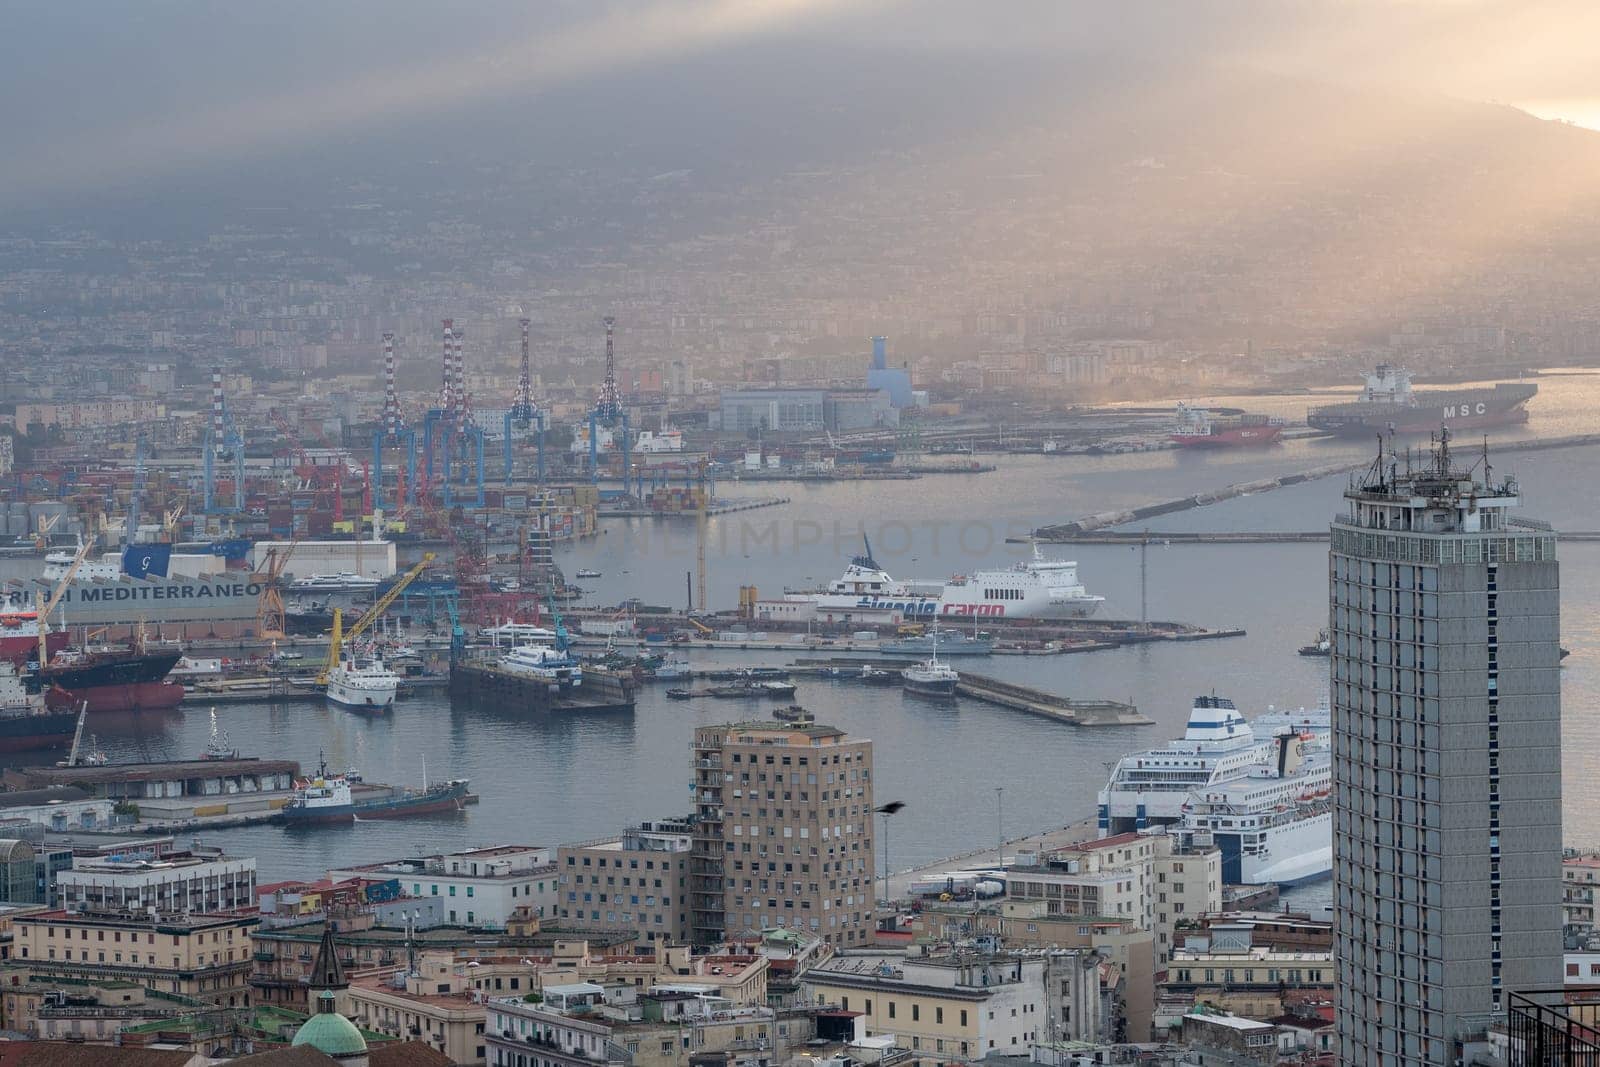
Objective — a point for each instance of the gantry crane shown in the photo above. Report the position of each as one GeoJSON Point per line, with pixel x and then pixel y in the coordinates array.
{"type": "Point", "coordinates": [338, 637]}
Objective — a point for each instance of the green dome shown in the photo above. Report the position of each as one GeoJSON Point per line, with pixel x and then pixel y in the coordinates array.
{"type": "Point", "coordinates": [331, 1033]}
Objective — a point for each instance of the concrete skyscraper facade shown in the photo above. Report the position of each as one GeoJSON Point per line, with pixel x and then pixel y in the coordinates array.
{"type": "Point", "coordinates": [783, 832]}
{"type": "Point", "coordinates": [1445, 672]}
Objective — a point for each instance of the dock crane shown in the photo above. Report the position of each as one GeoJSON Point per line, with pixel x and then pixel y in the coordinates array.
{"type": "Point", "coordinates": [338, 637]}
{"type": "Point", "coordinates": [269, 606]}
{"type": "Point", "coordinates": [42, 616]}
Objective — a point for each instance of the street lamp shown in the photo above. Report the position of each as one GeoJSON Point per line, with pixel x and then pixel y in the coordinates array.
{"type": "Point", "coordinates": [887, 810]}
{"type": "Point", "coordinates": [1000, 825]}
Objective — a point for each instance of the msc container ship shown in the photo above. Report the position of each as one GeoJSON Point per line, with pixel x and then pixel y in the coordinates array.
{"type": "Point", "coordinates": [1390, 403]}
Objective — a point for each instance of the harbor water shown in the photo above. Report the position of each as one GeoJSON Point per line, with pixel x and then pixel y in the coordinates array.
{"type": "Point", "coordinates": [551, 779]}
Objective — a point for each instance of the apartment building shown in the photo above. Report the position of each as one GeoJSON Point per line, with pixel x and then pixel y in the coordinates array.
{"type": "Point", "coordinates": [1147, 878]}
{"type": "Point", "coordinates": [946, 1007]}
{"type": "Point", "coordinates": [206, 957]}
{"type": "Point", "coordinates": [1580, 874]}
{"type": "Point", "coordinates": [478, 886]}
{"type": "Point", "coordinates": [583, 1025]}
{"type": "Point", "coordinates": [435, 1005]}
{"type": "Point", "coordinates": [638, 880]}
{"type": "Point", "coordinates": [177, 883]}
{"type": "Point", "coordinates": [784, 832]}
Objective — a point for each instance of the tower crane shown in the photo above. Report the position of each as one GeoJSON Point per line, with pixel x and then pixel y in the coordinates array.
{"type": "Point", "coordinates": [337, 637]}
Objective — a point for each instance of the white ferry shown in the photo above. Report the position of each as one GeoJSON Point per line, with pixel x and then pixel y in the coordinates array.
{"type": "Point", "coordinates": [369, 687]}
{"type": "Point", "coordinates": [1150, 788]}
{"type": "Point", "coordinates": [1035, 588]}
{"type": "Point", "coordinates": [544, 663]}
{"type": "Point", "coordinates": [1273, 824]}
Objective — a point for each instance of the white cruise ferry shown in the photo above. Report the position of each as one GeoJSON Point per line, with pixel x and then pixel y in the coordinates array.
{"type": "Point", "coordinates": [1273, 824]}
{"type": "Point", "coordinates": [545, 663]}
{"type": "Point", "coordinates": [369, 687]}
{"type": "Point", "coordinates": [1150, 788]}
{"type": "Point", "coordinates": [1035, 588]}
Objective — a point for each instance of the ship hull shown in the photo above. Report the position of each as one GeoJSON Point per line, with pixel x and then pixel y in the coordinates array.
{"type": "Point", "coordinates": [24, 733]}
{"type": "Point", "coordinates": [1237, 437]}
{"type": "Point", "coordinates": [365, 705]}
{"type": "Point", "coordinates": [18, 650]}
{"type": "Point", "coordinates": [403, 808]}
{"type": "Point", "coordinates": [930, 689]}
{"type": "Point", "coordinates": [131, 696]}
{"type": "Point", "coordinates": [1504, 405]}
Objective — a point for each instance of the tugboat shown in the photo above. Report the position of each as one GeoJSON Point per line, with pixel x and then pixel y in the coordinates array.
{"type": "Point", "coordinates": [929, 677]}
{"type": "Point", "coordinates": [328, 799]}
{"type": "Point", "coordinates": [1320, 647]}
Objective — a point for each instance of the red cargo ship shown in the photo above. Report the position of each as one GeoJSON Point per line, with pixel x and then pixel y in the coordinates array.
{"type": "Point", "coordinates": [125, 680]}
{"type": "Point", "coordinates": [19, 638]}
{"type": "Point", "coordinates": [1198, 428]}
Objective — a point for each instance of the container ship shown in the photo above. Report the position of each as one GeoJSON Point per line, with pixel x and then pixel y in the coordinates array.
{"type": "Point", "coordinates": [130, 679]}
{"type": "Point", "coordinates": [1199, 428]}
{"type": "Point", "coordinates": [329, 799]}
{"type": "Point", "coordinates": [1390, 403]}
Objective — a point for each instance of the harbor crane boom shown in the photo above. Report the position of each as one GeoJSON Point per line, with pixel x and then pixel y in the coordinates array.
{"type": "Point", "coordinates": [337, 637]}
{"type": "Point", "coordinates": [43, 614]}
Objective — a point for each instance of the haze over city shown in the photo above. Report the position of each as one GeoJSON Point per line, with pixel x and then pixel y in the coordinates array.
{"type": "Point", "coordinates": [1095, 501]}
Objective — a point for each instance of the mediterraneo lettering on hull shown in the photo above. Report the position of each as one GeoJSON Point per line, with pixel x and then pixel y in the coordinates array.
{"type": "Point", "coordinates": [154, 600]}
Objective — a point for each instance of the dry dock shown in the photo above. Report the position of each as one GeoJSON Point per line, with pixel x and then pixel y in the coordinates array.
{"type": "Point", "coordinates": [1038, 702]}
{"type": "Point", "coordinates": [491, 687]}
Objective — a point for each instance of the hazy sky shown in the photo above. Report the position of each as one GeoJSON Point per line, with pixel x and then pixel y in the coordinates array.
{"type": "Point", "coordinates": [107, 91]}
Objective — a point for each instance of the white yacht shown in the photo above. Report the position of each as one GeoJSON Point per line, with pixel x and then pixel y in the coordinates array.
{"type": "Point", "coordinates": [369, 687]}
{"type": "Point", "coordinates": [344, 581]}
{"type": "Point", "coordinates": [517, 633]}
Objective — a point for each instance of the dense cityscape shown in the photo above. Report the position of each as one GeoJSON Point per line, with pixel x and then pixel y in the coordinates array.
{"type": "Point", "coordinates": [749, 539]}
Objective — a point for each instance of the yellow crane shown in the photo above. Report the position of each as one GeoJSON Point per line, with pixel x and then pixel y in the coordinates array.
{"type": "Point", "coordinates": [44, 609]}
{"type": "Point", "coordinates": [337, 636]}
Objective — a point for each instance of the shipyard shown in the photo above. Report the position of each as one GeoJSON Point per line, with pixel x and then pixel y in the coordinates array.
{"type": "Point", "coordinates": [800, 535]}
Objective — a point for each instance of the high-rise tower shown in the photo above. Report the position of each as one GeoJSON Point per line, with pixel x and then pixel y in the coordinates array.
{"type": "Point", "coordinates": [783, 832]}
{"type": "Point", "coordinates": [1444, 622]}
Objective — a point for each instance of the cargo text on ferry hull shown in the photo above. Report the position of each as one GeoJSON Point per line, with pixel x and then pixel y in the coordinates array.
{"type": "Point", "coordinates": [151, 600]}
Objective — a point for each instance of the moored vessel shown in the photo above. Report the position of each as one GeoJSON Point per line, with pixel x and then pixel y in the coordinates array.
{"type": "Point", "coordinates": [1199, 428]}
{"type": "Point", "coordinates": [1034, 588]}
{"type": "Point", "coordinates": [129, 679]}
{"type": "Point", "coordinates": [952, 643]}
{"type": "Point", "coordinates": [368, 687]}
{"type": "Point", "coordinates": [930, 677]}
{"type": "Point", "coordinates": [330, 799]}
{"type": "Point", "coordinates": [25, 722]}
{"type": "Point", "coordinates": [1389, 403]}
{"type": "Point", "coordinates": [19, 638]}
